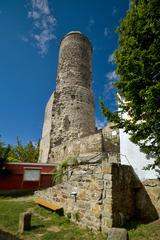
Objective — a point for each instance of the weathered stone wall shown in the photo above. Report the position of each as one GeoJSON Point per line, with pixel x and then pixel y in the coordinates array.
{"type": "Point", "coordinates": [8, 236]}
{"type": "Point", "coordinates": [88, 194]}
{"type": "Point", "coordinates": [70, 114]}
{"type": "Point", "coordinates": [100, 143]}
{"type": "Point", "coordinates": [91, 146]}
{"type": "Point", "coordinates": [148, 200]}
{"type": "Point", "coordinates": [46, 133]}
{"type": "Point", "coordinates": [125, 184]}
{"type": "Point", "coordinates": [69, 124]}
{"type": "Point", "coordinates": [73, 113]}
{"type": "Point", "coordinates": [111, 143]}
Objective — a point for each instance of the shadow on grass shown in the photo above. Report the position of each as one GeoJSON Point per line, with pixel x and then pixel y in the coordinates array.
{"type": "Point", "coordinates": [16, 193]}
{"type": "Point", "coordinates": [60, 211]}
{"type": "Point", "coordinates": [35, 227]}
{"type": "Point", "coordinates": [133, 224]}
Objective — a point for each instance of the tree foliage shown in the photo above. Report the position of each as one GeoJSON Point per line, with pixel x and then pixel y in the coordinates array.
{"type": "Point", "coordinates": [138, 68]}
{"type": "Point", "coordinates": [4, 151]}
{"type": "Point", "coordinates": [19, 152]}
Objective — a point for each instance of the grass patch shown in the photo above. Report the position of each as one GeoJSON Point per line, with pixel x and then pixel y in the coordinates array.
{"type": "Point", "coordinates": [46, 225]}
{"type": "Point", "coordinates": [9, 213]}
{"type": "Point", "coordinates": [149, 231]}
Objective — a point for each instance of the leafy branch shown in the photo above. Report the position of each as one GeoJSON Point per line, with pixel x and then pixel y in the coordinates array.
{"type": "Point", "coordinates": [62, 168]}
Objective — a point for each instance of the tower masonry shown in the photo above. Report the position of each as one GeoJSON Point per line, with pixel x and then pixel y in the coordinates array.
{"type": "Point", "coordinates": [104, 193]}
{"type": "Point", "coordinates": [73, 109]}
{"type": "Point", "coordinates": [70, 112]}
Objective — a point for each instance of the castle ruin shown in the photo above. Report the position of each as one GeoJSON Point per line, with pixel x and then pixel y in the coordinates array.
{"type": "Point", "coordinates": [69, 125]}
{"type": "Point", "coordinates": [99, 190]}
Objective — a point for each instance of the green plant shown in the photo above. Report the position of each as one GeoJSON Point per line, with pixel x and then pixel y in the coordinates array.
{"type": "Point", "coordinates": [68, 215]}
{"type": "Point", "coordinates": [19, 152]}
{"type": "Point", "coordinates": [145, 231]}
{"type": "Point", "coordinates": [4, 153]}
{"type": "Point", "coordinates": [62, 168]}
{"type": "Point", "coordinates": [138, 69]}
{"type": "Point", "coordinates": [76, 216]}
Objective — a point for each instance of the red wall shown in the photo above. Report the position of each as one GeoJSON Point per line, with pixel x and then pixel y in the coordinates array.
{"type": "Point", "coordinates": [11, 178]}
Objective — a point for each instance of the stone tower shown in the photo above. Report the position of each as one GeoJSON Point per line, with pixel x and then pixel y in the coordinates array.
{"type": "Point", "coordinates": [70, 111]}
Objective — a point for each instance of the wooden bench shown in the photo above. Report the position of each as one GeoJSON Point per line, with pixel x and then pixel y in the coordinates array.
{"type": "Point", "coordinates": [47, 204]}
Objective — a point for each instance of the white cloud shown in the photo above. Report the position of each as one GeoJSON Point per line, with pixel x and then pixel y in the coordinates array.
{"type": "Point", "coordinates": [44, 24]}
{"type": "Point", "coordinates": [100, 123]}
{"type": "Point", "coordinates": [111, 76]}
{"type": "Point", "coordinates": [111, 58]}
{"type": "Point", "coordinates": [90, 24]}
{"type": "Point", "coordinates": [106, 32]}
{"type": "Point", "coordinates": [24, 39]}
{"type": "Point", "coordinates": [109, 92]}
{"type": "Point", "coordinates": [114, 11]}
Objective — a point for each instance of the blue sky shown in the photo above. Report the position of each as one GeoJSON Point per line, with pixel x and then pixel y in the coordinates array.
{"type": "Point", "coordinates": [30, 32]}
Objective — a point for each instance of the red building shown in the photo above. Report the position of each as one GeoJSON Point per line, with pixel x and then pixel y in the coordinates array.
{"type": "Point", "coordinates": [26, 176]}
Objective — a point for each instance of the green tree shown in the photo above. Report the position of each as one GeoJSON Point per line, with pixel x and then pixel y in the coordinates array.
{"type": "Point", "coordinates": [18, 153]}
{"type": "Point", "coordinates": [27, 153]}
{"type": "Point", "coordinates": [2, 150]}
{"type": "Point", "coordinates": [4, 153]}
{"type": "Point", "coordinates": [138, 68]}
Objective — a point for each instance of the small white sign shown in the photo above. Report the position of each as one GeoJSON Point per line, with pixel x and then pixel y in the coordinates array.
{"type": "Point", "coordinates": [31, 175]}
{"type": "Point", "coordinates": [114, 133]}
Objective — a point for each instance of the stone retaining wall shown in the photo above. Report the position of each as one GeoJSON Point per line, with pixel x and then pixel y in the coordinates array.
{"type": "Point", "coordinates": [91, 144]}
{"type": "Point", "coordinates": [95, 194]}
{"type": "Point", "coordinates": [7, 236]}
{"type": "Point", "coordinates": [98, 143]}
{"type": "Point", "coordinates": [148, 200]}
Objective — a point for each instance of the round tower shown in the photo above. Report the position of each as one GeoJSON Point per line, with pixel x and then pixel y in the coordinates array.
{"type": "Point", "coordinates": [73, 114]}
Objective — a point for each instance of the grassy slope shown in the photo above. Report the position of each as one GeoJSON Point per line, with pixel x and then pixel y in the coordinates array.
{"type": "Point", "coordinates": [45, 224]}
{"type": "Point", "coordinates": [146, 231]}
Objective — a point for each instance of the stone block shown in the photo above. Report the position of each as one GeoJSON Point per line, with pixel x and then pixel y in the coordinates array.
{"type": "Point", "coordinates": [83, 205]}
{"type": "Point", "coordinates": [107, 222]}
{"type": "Point", "coordinates": [98, 170]}
{"type": "Point", "coordinates": [97, 195]}
{"type": "Point", "coordinates": [82, 195]}
{"type": "Point", "coordinates": [117, 234]}
{"type": "Point", "coordinates": [108, 192]}
{"type": "Point", "coordinates": [100, 184]}
{"type": "Point", "coordinates": [93, 157]}
{"type": "Point", "coordinates": [25, 221]}
{"type": "Point", "coordinates": [98, 175]}
{"type": "Point", "coordinates": [97, 210]}
{"type": "Point", "coordinates": [107, 176]}
{"type": "Point", "coordinates": [108, 184]}
{"type": "Point", "coordinates": [107, 169]}
{"type": "Point", "coordinates": [108, 209]}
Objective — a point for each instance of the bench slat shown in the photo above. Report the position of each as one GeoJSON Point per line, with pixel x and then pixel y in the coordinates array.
{"type": "Point", "coordinates": [47, 204]}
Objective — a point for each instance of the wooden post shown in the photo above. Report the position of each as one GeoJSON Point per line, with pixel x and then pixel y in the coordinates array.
{"type": "Point", "coordinates": [25, 221]}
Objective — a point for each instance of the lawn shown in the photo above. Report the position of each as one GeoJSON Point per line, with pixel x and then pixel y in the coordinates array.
{"type": "Point", "coordinates": [149, 231]}
{"type": "Point", "coordinates": [46, 225]}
